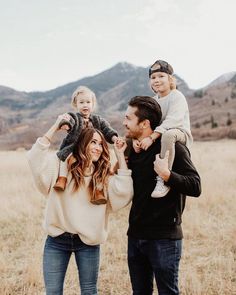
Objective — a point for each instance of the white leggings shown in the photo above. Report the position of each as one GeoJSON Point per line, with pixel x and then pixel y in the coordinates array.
{"type": "Point", "coordinates": [168, 140]}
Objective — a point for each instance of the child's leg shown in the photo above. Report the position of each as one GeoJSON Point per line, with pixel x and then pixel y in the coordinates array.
{"type": "Point", "coordinates": [99, 197]}
{"type": "Point", "coordinates": [168, 140]}
{"type": "Point", "coordinates": [63, 171]}
{"type": "Point", "coordinates": [62, 177]}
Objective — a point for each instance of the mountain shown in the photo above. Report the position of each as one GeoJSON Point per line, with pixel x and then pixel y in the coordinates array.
{"type": "Point", "coordinates": [26, 115]}
{"type": "Point", "coordinates": [227, 77]}
{"type": "Point", "coordinates": [213, 109]}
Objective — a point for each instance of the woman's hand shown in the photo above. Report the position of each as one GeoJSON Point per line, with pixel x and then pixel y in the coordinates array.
{"type": "Point", "coordinates": [47, 137]}
{"type": "Point", "coordinates": [63, 122]}
{"type": "Point", "coordinates": [120, 145]}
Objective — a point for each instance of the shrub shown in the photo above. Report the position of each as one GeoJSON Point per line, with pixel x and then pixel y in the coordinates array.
{"type": "Point", "coordinates": [198, 93]}
{"type": "Point", "coordinates": [213, 123]}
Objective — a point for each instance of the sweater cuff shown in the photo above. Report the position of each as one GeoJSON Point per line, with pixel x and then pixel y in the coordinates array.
{"type": "Point", "coordinates": [124, 172]}
{"type": "Point", "coordinates": [42, 145]}
{"type": "Point", "coordinates": [172, 178]}
{"type": "Point", "coordinates": [160, 130]}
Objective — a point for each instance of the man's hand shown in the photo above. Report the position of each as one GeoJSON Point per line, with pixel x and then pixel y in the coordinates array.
{"type": "Point", "coordinates": [146, 143]}
{"type": "Point", "coordinates": [161, 166]}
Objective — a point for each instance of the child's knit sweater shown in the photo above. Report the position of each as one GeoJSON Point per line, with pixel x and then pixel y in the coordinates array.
{"type": "Point", "coordinates": [175, 114]}
{"type": "Point", "coordinates": [71, 211]}
{"type": "Point", "coordinates": [71, 139]}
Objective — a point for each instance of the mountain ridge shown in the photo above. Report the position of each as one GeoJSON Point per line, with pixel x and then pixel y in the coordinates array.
{"type": "Point", "coordinates": [22, 113]}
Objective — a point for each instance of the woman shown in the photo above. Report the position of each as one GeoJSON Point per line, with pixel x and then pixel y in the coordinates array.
{"type": "Point", "coordinates": [73, 223]}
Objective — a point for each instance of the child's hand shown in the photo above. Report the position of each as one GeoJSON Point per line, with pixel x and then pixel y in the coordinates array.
{"type": "Point", "coordinates": [136, 146]}
{"type": "Point", "coordinates": [146, 143]}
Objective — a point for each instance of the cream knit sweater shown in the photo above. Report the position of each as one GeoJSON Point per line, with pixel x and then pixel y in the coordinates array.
{"type": "Point", "coordinates": [175, 114]}
{"type": "Point", "coordinates": [70, 211]}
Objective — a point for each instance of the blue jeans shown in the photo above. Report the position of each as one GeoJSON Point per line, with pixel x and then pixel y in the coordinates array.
{"type": "Point", "coordinates": [57, 253]}
{"type": "Point", "coordinates": [149, 258]}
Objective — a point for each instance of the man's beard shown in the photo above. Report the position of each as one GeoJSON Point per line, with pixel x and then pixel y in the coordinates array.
{"type": "Point", "coordinates": [132, 134]}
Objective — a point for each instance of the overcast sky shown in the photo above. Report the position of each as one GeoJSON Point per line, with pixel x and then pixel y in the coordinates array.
{"type": "Point", "coordinates": [48, 43]}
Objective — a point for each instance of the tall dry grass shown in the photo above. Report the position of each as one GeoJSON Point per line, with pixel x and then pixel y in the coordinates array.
{"type": "Point", "coordinates": [208, 263]}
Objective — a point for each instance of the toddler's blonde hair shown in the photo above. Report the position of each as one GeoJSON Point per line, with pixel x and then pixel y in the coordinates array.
{"type": "Point", "coordinates": [85, 92]}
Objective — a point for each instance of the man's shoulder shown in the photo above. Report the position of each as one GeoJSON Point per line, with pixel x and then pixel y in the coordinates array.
{"type": "Point", "coordinates": [181, 149]}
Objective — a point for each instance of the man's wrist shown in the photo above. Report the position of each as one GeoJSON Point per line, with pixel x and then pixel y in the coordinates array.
{"type": "Point", "coordinates": [165, 175]}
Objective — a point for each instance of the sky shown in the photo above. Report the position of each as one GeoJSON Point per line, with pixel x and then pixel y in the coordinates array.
{"type": "Point", "coordinates": [48, 43]}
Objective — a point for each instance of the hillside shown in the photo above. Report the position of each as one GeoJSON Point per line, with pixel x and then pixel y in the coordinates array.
{"type": "Point", "coordinates": [213, 109]}
{"type": "Point", "coordinates": [208, 261]}
{"type": "Point", "coordinates": [25, 115]}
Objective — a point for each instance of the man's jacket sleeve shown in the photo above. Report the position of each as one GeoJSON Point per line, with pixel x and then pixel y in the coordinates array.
{"type": "Point", "coordinates": [184, 177]}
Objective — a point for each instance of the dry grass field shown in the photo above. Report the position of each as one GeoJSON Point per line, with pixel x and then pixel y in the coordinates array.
{"type": "Point", "coordinates": [208, 263]}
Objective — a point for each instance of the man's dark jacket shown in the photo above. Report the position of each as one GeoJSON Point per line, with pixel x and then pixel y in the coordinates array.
{"type": "Point", "coordinates": [160, 218]}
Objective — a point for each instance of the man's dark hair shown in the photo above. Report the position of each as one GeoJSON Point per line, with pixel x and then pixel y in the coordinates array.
{"type": "Point", "coordinates": [147, 109]}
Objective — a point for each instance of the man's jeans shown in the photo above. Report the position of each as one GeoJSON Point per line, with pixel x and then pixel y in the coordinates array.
{"type": "Point", "coordinates": [149, 258]}
{"type": "Point", "coordinates": [57, 252]}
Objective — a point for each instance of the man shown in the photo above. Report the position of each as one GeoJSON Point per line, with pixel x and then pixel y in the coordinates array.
{"type": "Point", "coordinates": [155, 233]}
